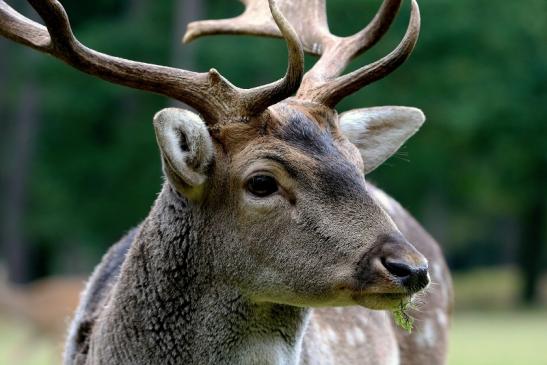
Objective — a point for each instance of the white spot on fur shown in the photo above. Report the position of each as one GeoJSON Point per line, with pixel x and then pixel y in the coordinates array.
{"type": "Point", "coordinates": [437, 272]}
{"type": "Point", "coordinates": [392, 355]}
{"type": "Point", "coordinates": [441, 318]}
{"type": "Point", "coordinates": [350, 339]}
{"type": "Point", "coordinates": [427, 335]}
{"type": "Point", "coordinates": [316, 48]}
{"type": "Point", "coordinates": [394, 360]}
{"type": "Point", "coordinates": [331, 334]}
{"type": "Point", "coordinates": [359, 335]}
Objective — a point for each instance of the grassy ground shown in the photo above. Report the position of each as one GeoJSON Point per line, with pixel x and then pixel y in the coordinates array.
{"type": "Point", "coordinates": [487, 327]}
{"type": "Point", "coordinates": [478, 338]}
{"type": "Point", "coordinates": [499, 338]}
{"type": "Point", "coordinates": [21, 344]}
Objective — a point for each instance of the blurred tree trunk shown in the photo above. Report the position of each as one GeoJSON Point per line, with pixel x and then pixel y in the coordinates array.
{"type": "Point", "coordinates": [19, 131]}
{"type": "Point", "coordinates": [534, 240]}
{"type": "Point", "coordinates": [4, 105]}
{"type": "Point", "coordinates": [136, 8]}
{"type": "Point", "coordinates": [184, 56]}
{"type": "Point", "coordinates": [3, 78]}
{"type": "Point", "coordinates": [19, 150]}
{"type": "Point", "coordinates": [4, 134]}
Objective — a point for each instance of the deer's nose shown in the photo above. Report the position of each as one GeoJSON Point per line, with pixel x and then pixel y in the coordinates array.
{"type": "Point", "coordinates": [412, 275]}
{"type": "Point", "coordinates": [402, 263]}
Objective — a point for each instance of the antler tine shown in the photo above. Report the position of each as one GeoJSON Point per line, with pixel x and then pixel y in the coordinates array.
{"type": "Point", "coordinates": [209, 93]}
{"type": "Point", "coordinates": [337, 52]}
{"type": "Point", "coordinates": [257, 20]}
{"type": "Point", "coordinates": [375, 30]}
{"type": "Point", "coordinates": [310, 21]}
{"type": "Point", "coordinates": [259, 98]}
{"type": "Point", "coordinates": [330, 92]}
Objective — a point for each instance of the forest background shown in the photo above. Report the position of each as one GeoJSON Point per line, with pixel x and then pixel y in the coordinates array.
{"type": "Point", "coordinates": [79, 164]}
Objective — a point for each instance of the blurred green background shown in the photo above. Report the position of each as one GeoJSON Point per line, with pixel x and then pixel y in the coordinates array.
{"type": "Point", "coordinates": [79, 164]}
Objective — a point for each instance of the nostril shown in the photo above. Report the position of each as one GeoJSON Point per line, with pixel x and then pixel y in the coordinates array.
{"type": "Point", "coordinates": [397, 268]}
{"type": "Point", "coordinates": [419, 280]}
{"type": "Point", "coordinates": [413, 278]}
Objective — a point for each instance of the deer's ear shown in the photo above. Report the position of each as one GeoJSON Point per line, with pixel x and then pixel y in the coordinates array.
{"type": "Point", "coordinates": [379, 132]}
{"type": "Point", "coordinates": [186, 150]}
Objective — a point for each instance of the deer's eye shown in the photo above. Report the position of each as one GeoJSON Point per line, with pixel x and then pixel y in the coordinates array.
{"type": "Point", "coordinates": [262, 185]}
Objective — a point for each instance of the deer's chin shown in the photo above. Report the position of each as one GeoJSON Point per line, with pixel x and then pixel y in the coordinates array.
{"type": "Point", "coordinates": [382, 301]}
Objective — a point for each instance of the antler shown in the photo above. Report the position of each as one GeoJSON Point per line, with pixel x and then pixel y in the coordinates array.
{"type": "Point", "coordinates": [322, 83]}
{"type": "Point", "coordinates": [209, 93]}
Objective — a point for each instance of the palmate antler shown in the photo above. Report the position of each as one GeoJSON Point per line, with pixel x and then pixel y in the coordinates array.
{"type": "Point", "coordinates": [322, 83]}
{"type": "Point", "coordinates": [209, 93]}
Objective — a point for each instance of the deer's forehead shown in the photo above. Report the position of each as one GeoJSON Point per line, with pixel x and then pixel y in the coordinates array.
{"type": "Point", "coordinates": [304, 139]}
{"type": "Point", "coordinates": [307, 135]}
{"type": "Point", "coordinates": [294, 136]}
{"type": "Point", "coordinates": [314, 130]}
{"type": "Point", "coordinates": [319, 137]}
{"type": "Point", "coordinates": [309, 151]}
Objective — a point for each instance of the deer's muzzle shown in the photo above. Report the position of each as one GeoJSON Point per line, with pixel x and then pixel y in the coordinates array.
{"type": "Point", "coordinates": [393, 266]}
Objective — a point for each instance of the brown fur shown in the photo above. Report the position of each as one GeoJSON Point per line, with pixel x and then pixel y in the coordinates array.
{"type": "Point", "coordinates": [229, 278]}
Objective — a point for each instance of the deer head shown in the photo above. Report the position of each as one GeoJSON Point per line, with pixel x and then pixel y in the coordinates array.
{"type": "Point", "coordinates": [276, 176]}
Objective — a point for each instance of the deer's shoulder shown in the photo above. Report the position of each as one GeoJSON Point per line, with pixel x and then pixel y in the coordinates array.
{"type": "Point", "coordinates": [95, 295]}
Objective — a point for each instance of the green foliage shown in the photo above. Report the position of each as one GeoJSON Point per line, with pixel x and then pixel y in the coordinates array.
{"type": "Point", "coordinates": [401, 316]}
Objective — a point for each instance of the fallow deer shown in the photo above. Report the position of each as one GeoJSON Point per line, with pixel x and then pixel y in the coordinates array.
{"type": "Point", "coordinates": [265, 221]}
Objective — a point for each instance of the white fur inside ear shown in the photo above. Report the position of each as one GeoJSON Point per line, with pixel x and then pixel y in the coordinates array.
{"type": "Point", "coordinates": [185, 145]}
{"type": "Point", "coordinates": [378, 132]}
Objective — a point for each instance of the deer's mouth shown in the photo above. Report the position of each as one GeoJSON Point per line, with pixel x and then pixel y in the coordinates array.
{"type": "Point", "coordinates": [381, 300]}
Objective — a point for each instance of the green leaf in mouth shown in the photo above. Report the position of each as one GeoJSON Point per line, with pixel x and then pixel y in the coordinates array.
{"type": "Point", "coordinates": [401, 316]}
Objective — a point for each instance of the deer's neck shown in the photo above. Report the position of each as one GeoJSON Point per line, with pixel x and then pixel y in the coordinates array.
{"type": "Point", "coordinates": [168, 308]}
